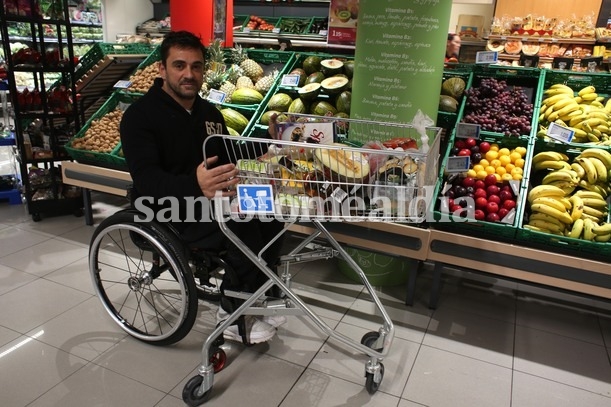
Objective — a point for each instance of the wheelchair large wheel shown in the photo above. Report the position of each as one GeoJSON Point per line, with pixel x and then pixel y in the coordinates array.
{"type": "Point", "coordinates": [142, 276]}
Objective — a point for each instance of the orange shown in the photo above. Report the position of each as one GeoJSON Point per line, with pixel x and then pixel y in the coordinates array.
{"type": "Point", "coordinates": [519, 163]}
{"type": "Point", "coordinates": [490, 169]}
{"type": "Point", "coordinates": [494, 147]}
{"type": "Point", "coordinates": [478, 167]}
{"type": "Point", "coordinates": [501, 170]}
{"type": "Point", "coordinates": [481, 174]}
{"type": "Point", "coordinates": [484, 162]}
{"type": "Point", "coordinates": [509, 167]}
{"type": "Point", "coordinates": [504, 159]}
{"type": "Point", "coordinates": [504, 151]}
{"type": "Point", "coordinates": [520, 150]}
{"type": "Point", "coordinates": [495, 163]}
{"type": "Point", "coordinates": [472, 173]}
{"type": "Point", "coordinates": [515, 156]}
{"type": "Point", "coordinates": [506, 177]}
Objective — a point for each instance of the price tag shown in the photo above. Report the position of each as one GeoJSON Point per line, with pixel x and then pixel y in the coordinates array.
{"type": "Point", "coordinates": [560, 133]}
{"type": "Point", "coordinates": [458, 164]}
{"type": "Point", "coordinates": [290, 80]}
{"type": "Point", "coordinates": [503, 38]}
{"type": "Point", "coordinates": [276, 30]}
{"type": "Point", "coordinates": [468, 130]}
{"type": "Point", "coordinates": [486, 57]}
{"type": "Point", "coordinates": [322, 32]}
{"type": "Point", "coordinates": [216, 96]}
{"type": "Point", "coordinates": [123, 84]}
{"type": "Point", "coordinates": [525, 39]}
{"type": "Point", "coordinates": [245, 30]}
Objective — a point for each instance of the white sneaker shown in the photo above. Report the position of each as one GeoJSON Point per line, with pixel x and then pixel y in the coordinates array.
{"type": "Point", "coordinates": [274, 320]}
{"type": "Point", "coordinates": [257, 331]}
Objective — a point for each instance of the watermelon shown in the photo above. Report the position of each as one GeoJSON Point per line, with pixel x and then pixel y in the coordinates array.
{"type": "Point", "coordinates": [234, 119]}
{"type": "Point", "coordinates": [309, 91]}
{"type": "Point", "coordinates": [322, 108]}
{"type": "Point", "coordinates": [453, 87]}
{"type": "Point", "coordinates": [246, 96]}
{"type": "Point", "coordinates": [297, 106]}
{"type": "Point", "coordinates": [342, 103]}
{"type": "Point", "coordinates": [311, 64]}
{"type": "Point", "coordinates": [280, 102]}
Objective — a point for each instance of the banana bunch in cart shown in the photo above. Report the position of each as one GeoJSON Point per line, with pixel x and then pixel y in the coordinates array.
{"type": "Point", "coordinates": [315, 168]}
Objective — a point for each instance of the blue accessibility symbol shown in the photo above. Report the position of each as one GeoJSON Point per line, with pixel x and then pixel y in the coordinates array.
{"type": "Point", "coordinates": [256, 198]}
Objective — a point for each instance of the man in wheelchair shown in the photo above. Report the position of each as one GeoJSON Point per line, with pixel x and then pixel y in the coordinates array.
{"type": "Point", "coordinates": [162, 136]}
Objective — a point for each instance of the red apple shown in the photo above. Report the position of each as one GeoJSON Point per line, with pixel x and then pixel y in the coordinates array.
{"type": "Point", "coordinates": [468, 182]}
{"type": "Point", "coordinates": [493, 217]}
{"type": "Point", "coordinates": [464, 152]}
{"type": "Point", "coordinates": [507, 188]}
{"type": "Point", "coordinates": [484, 147]}
{"type": "Point", "coordinates": [480, 192]}
{"type": "Point", "coordinates": [470, 142]}
{"type": "Point", "coordinates": [460, 144]}
{"type": "Point", "coordinates": [455, 208]}
{"type": "Point", "coordinates": [493, 190]}
{"type": "Point", "coordinates": [481, 202]}
{"type": "Point", "coordinates": [495, 199]}
{"type": "Point", "coordinates": [490, 179]}
{"type": "Point", "coordinates": [479, 214]}
{"type": "Point", "coordinates": [492, 207]}
{"type": "Point", "coordinates": [479, 184]}
{"type": "Point", "coordinates": [509, 204]}
{"type": "Point", "coordinates": [505, 195]}
{"type": "Point", "coordinates": [502, 213]}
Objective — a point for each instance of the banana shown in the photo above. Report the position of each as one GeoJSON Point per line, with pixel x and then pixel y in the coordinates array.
{"type": "Point", "coordinates": [547, 218]}
{"type": "Point", "coordinates": [579, 133]}
{"type": "Point", "coordinates": [544, 190]}
{"type": "Point", "coordinates": [601, 170]}
{"type": "Point", "coordinates": [602, 229]}
{"type": "Point", "coordinates": [562, 86]}
{"type": "Point", "coordinates": [536, 229]}
{"type": "Point", "coordinates": [586, 90]}
{"type": "Point", "coordinates": [568, 108]}
{"type": "Point", "coordinates": [597, 104]}
{"type": "Point", "coordinates": [602, 155]}
{"type": "Point", "coordinates": [588, 210]}
{"type": "Point", "coordinates": [561, 175]}
{"type": "Point", "coordinates": [567, 187]}
{"type": "Point", "coordinates": [577, 228]}
{"type": "Point", "coordinates": [597, 203]}
{"type": "Point", "coordinates": [588, 166]}
{"type": "Point", "coordinates": [608, 106]}
{"type": "Point", "coordinates": [598, 114]}
{"type": "Point", "coordinates": [593, 137]}
{"type": "Point", "coordinates": [594, 188]}
{"type": "Point", "coordinates": [588, 226]}
{"type": "Point", "coordinates": [549, 201]}
{"type": "Point", "coordinates": [562, 216]}
{"type": "Point", "coordinates": [577, 208]}
{"type": "Point", "coordinates": [602, 238]}
{"type": "Point", "coordinates": [549, 156]}
{"type": "Point", "coordinates": [589, 97]}
{"type": "Point", "coordinates": [551, 165]}
{"type": "Point", "coordinates": [589, 194]}
{"type": "Point", "coordinates": [552, 100]}
{"type": "Point", "coordinates": [581, 173]}
{"type": "Point", "coordinates": [553, 117]}
{"type": "Point", "coordinates": [541, 224]}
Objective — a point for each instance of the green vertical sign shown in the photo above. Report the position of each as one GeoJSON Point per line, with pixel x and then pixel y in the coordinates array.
{"type": "Point", "coordinates": [399, 59]}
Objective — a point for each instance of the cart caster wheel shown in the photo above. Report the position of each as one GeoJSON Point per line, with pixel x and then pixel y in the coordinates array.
{"type": "Point", "coordinates": [369, 339]}
{"type": "Point", "coordinates": [189, 392]}
{"type": "Point", "coordinates": [370, 383]}
{"type": "Point", "coordinates": [218, 359]}
{"type": "Point", "coordinates": [36, 217]}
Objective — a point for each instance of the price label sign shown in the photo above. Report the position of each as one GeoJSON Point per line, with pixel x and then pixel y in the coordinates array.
{"type": "Point", "coordinates": [468, 130]}
{"type": "Point", "coordinates": [322, 32]}
{"type": "Point", "coordinates": [246, 30]}
{"type": "Point", "coordinates": [216, 96]}
{"type": "Point", "coordinates": [486, 57]}
{"type": "Point", "coordinates": [276, 30]}
{"type": "Point", "coordinates": [290, 80]}
{"type": "Point", "coordinates": [123, 84]}
{"type": "Point", "coordinates": [560, 133]}
{"type": "Point", "coordinates": [458, 164]}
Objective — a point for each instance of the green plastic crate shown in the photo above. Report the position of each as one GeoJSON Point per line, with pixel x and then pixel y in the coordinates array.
{"type": "Point", "coordinates": [306, 22]}
{"type": "Point", "coordinates": [487, 230]}
{"type": "Point", "coordinates": [108, 160]}
{"type": "Point", "coordinates": [447, 120]}
{"type": "Point", "coordinates": [550, 242]}
{"type": "Point", "coordinates": [577, 81]}
{"type": "Point", "coordinates": [100, 50]}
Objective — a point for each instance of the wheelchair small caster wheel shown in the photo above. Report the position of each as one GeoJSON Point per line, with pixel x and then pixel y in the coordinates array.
{"type": "Point", "coordinates": [218, 359]}
{"type": "Point", "coordinates": [370, 383]}
{"type": "Point", "coordinates": [369, 339]}
{"type": "Point", "coordinates": [189, 392]}
{"type": "Point", "coordinates": [36, 217]}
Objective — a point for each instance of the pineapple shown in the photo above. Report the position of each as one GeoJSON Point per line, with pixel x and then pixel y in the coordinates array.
{"type": "Point", "coordinates": [264, 84]}
{"type": "Point", "coordinates": [228, 88]}
{"type": "Point", "coordinates": [216, 77]}
{"type": "Point", "coordinates": [251, 68]}
{"type": "Point", "coordinates": [233, 73]}
{"type": "Point", "coordinates": [244, 82]}
{"type": "Point", "coordinates": [216, 56]}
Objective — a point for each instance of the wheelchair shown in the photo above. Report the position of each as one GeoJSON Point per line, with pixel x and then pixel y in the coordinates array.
{"type": "Point", "coordinates": [149, 280]}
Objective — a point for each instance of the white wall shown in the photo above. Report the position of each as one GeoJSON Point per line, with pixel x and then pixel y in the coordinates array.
{"type": "Point", "coordinates": [122, 16]}
{"type": "Point", "coordinates": [471, 7]}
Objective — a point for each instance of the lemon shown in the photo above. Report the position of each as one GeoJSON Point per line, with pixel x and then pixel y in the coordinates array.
{"type": "Point", "coordinates": [481, 174]}
{"type": "Point", "coordinates": [520, 163]}
{"type": "Point", "coordinates": [491, 155]}
{"type": "Point", "coordinates": [490, 169]}
{"type": "Point", "coordinates": [517, 177]}
{"type": "Point", "coordinates": [494, 147]}
{"type": "Point", "coordinates": [472, 173]}
{"type": "Point", "coordinates": [515, 156]}
{"type": "Point", "coordinates": [501, 170]}
{"type": "Point", "coordinates": [504, 159]}
{"type": "Point", "coordinates": [517, 170]}
{"type": "Point", "coordinates": [495, 163]}
{"type": "Point", "coordinates": [504, 151]}
{"type": "Point", "coordinates": [507, 177]}
{"type": "Point", "coordinates": [478, 167]}
{"type": "Point", "coordinates": [484, 162]}
{"type": "Point", "coordinates": [520, 150]}
{"type": "Point", "coordinates": [509, 167]}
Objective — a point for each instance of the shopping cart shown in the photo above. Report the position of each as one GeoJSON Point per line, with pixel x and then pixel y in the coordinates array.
{"type": "Point", "coordinates": [309, 177]}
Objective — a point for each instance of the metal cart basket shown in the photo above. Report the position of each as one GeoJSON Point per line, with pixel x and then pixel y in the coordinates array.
{"type": "Point", "coordinates": [308, 176]}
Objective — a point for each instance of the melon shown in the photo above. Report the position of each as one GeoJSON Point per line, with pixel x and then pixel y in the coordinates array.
{"type": "Point", "coordinates": [330, 67]}
{"type": "Point", "coordinates": [297, 106]}
{"type": "Point", "coordinates": [335, 84]}
{"type": "Point", "coordinates": [264, 120]}
{"type": "Point", "coordinates": [342, 103]}
{"type": "Point", "coordinates": [315, 77]}
{"type": "Point", "coordinates": [234, 119]}
{"type": "Point", "coordinates": [448, 104]}
{"type": "Point", "coordinates": [302, 75]}
{"type": "Point", "coordinates": [342, 165]}
{"type": "Point", "coordinates": [349, 68]}
{"type": "Point", "coordinates": [454, 87]}
{"type": "Point", "coordinates": [311, 64]}
{"type": "Point", "coordinates": [322, 108]}
{"type": "Point", "coordinates": [280, 102]}
{"type": "Point", "coordinates": [309, 91]}
{"type": "Point", "coordinates": [246, 96]}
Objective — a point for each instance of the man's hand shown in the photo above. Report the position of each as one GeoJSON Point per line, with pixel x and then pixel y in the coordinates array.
{"type": "Point", "coordinates": [272, 130]}
{"type": "Point", "coordinates": [221, 178]}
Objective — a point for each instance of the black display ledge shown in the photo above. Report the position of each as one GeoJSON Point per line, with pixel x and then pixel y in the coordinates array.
{"type": "Point", "coordinates": [36, 20]}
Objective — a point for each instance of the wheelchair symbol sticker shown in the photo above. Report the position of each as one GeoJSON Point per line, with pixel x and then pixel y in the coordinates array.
{"type": "Point", "coordinates": [255, 198]}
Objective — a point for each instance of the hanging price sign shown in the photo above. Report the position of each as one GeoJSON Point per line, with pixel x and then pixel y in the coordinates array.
{"type": "Point", "coordinates": [560, 133]}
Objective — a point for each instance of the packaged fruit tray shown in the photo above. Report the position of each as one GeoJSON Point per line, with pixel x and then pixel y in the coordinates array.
{"type": "Point", "coordinates": [100, 130]}
{"type": "Point", "coordinates": [567, 205]}
{"type": "Point", "coordinates": [578, 101]}
{"type": "Point", "coordinates": [485, 200]}
{"type": "Point", "coordinates": [502, 100]}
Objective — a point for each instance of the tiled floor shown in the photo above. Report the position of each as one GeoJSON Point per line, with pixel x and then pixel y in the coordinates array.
{"type": "Point", "coordinates": [489, 343]}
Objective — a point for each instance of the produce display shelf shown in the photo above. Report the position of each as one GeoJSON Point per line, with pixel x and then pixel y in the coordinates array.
{"type": "Point", "coordinates": [546, 39]}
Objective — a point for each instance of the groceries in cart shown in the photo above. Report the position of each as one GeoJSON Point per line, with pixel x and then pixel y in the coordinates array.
{"type": "Point", "coordinates": [315, 173]}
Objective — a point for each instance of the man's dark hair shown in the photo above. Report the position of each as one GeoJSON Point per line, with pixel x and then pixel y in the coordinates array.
{"type": "Point", "coordinates": [180, 39]}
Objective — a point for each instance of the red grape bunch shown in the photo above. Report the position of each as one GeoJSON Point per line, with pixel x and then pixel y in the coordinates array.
{"type": "Point", "coordinates": [499, 108]}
